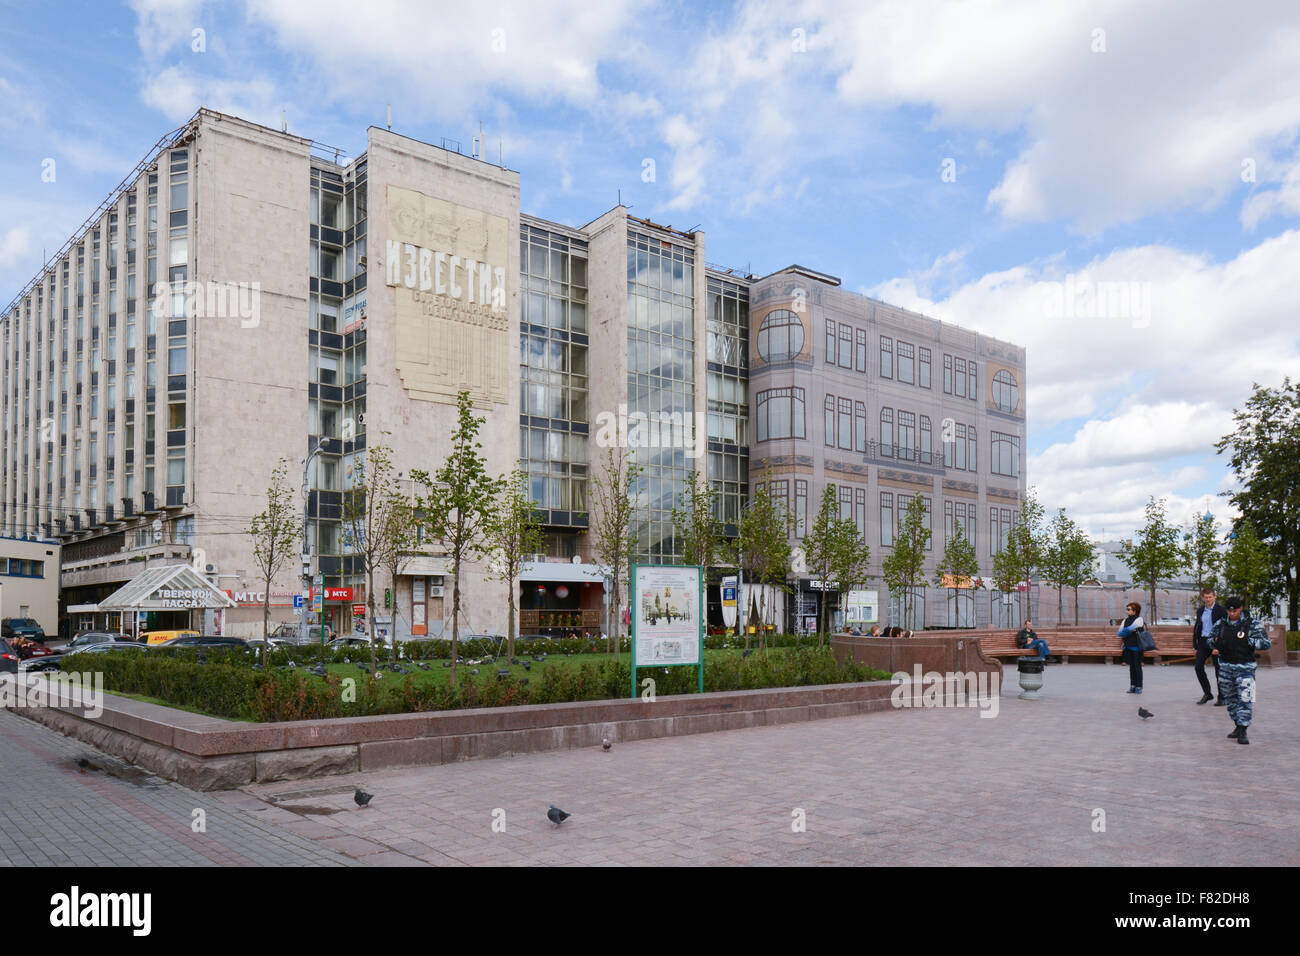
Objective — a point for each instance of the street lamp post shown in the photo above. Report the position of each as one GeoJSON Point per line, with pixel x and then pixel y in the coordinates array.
{"type": "Point", "coordinates": [306, 546]}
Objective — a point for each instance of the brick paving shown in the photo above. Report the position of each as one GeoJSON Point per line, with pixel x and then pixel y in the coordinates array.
{"type": "Point", "coordinates": [52, 813]}
{"type": "Point", "coordinates": [941, 786]}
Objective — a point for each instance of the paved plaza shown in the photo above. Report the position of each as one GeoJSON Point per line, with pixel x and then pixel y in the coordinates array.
{"type": "Point", "coordinates": [919, 787]}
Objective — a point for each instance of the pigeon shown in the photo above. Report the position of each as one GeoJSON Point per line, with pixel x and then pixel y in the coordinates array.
{"type": "Point", "coordinates": [537, 659]}
{"type": "Point", "coordinates": [200, 658]}
{"type": "Point", "coordinates": [83, 764]}
{"type": "Point", "coordinates": [361, 798]}
{"type": "Point", "coordinates": [422, 665]}
{"type": "Point", "coordinates": [747, 653]}
{"type": "Point", "coordinates": [556, 815]}
{"type": "Point", "coordinates": [446, 663]}
{"type": "Point", "coordinates": [292, 664]}
{"type": "Point", "coordinates": [363, 667]}
{"type": "Point", "coordinates": [1144, 713]}
{"type": "Point", "coordinates": [527, 666]}
{"type": "Point", "coordinates": [257, 666]}
{"type": "Point", "coordinates": [474, 671]}
{"type": "Point", "coordinates": [502, 675]}
{"type": "Point", "coordinates": [605, 745]}
{"type": "Point", "coordinates": [318, 670]}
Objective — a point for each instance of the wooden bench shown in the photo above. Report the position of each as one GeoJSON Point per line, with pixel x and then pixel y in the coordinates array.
{"type": "Point", "coordinates": [1174, 644]}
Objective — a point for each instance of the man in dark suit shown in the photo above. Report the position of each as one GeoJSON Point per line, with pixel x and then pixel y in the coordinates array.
{"type": "Point", "coordinates": [1210, 614]}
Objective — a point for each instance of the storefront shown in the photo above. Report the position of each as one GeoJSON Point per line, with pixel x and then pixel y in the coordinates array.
{"type": "Point", "coordinates": [168, 598]}
{"type": "Point", "coordinates": [557, 598]}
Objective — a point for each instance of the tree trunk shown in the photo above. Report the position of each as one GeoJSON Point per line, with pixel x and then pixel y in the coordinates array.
{"type": "Point", "coordinates": [510, 620]}
{"type": "Point", "coordinates": [455, 620]}
{"type": "Point", "coordinates": [266, 625]}
{"type": "Point", "coordinates": [370, 623]}
{"type": "Point", "coordinates": [1154, 616]}
{"type": "Point", "coordinates": [1076, 605]}
{"type": "Point", "coordinates": [1060, 606]}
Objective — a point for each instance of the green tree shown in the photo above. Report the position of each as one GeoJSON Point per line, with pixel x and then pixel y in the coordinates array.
{"type": "Point", "coordinates": [904, 569]}
{"type": "Point", "coordinates": [613, 491]}
{"type": "Point", "coordinates": [959, 562]}
{"type": "Point", "coordinates": [515, 534]}
{"type": "Point", "coordinates": [1015, 563]}
{"type": "Point", "coordinates": [1080, 564]}
{"type": "Point", "coordinates": [1157, 553]}
{"type": "Point", "coordinates": [763, 549]}
{"type": "Point", "coordinates": [1248, 567]}
{"type": "Point", "coordinates": [835, 554]}
{"type": "Point", "coordinates": [695, 520]}
{"type": "Point", "coordinates": [457, 504]}
{"type": "Point", "coordinates": [1265, 454]}
{"type": "Point", "coordinates": [1203, 557]}
{"type": "Point", "coordinates": [1057, 557]}
{"type": "Point", "coordinates": [400, 526]}
{"type": "Point", "coordinates": [276, 538]}
{"type": "Point", "coordinates": [377, 523]}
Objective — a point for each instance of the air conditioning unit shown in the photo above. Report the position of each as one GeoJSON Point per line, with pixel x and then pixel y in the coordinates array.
{"type": "Point", "coordinates": [361, 262]}
{"type": "Point", "coordinates": [436, 592]}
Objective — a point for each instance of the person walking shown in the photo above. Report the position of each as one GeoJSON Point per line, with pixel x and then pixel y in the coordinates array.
{"type": "Point", "coordinates": [1211, 614]}
{"type": "Point", "coordinates": [1129, 629]}
{"type": "Point", "coordinates": [1027, 639]}
{"type": "Point", "coordinates": [1234, 641]}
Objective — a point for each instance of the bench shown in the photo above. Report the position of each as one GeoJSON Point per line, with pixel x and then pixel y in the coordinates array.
{"type": "Point", "coordinates": [1174, 644]}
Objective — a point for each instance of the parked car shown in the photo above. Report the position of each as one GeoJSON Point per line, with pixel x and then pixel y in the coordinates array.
{"type": "Point", "coordinates": [88, 638]}
{"type": "Point", "coordinates": [354, 641]}
{"type": "Point", "coordinates": [193, 639]}
{"type": "Point", "coordinates": [155, 638]}
{"type": "Point", "coordinates": [27, 627]}
{"type": "Point", "coordinates": [51, 662]}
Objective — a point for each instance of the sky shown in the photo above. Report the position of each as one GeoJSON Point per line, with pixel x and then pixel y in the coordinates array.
{"type": "Point", "coordinates": [1114, 186]}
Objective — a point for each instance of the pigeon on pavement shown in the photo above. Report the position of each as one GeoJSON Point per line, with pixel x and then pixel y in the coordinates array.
{"type": "Point", "coordinates": [361, 798]}
{"type": "Point", "coordinates": [1144, 713]}
{"type": "Point", "coordinates": [605, 745]}
{"type": "Point", "coordinates": [556, 815]}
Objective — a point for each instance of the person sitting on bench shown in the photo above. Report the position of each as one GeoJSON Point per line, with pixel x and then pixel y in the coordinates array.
{"type": "Point", "coordinates": [1028, 640]}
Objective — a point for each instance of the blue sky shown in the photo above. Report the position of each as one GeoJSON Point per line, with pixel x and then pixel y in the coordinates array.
{"type": "Point", "coordinates": [970, 161]}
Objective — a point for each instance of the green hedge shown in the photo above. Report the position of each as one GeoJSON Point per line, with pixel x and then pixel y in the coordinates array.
{"type": "Point", "coordinates": [227, 686]}
{"type": "Point", "coordinates": [1293, 640]}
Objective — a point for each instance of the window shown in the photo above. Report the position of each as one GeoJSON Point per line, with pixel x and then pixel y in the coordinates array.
{"type": "Point", "coordinates": [906, 435]}
{"type": "Point", "coordinates": [830, 342]}
{"type": "Point", "coordinates": [846, 346]}
{"type": "Point", "coordinates": [999, 528]}
{"type": "Point", "coordinates": [970, 447]}
{"type": "Point", "coordinates": [961, 608]}
{"type": "Point", "coordinates": [925, 440]}
{"type": "Point", "coordinates": [176, 361]}
{"type": "Point", "coordinates": [906, 362]}
{"type": "Point", "coordinates": [971, 391]}
{"type": "Point", "coordinates": [846, 424]}
{"type": "Point", "coordinates": [1006, 455]}
{"type": "Point", "coordinates": [959, 377]}
{"type": "Point", "coordinates": [176, 416]}
{"type": "Point", "coordinates": [780, 413]}
{"type": "Point", "coordinates": [887, 519]}
{"type": "Point", "coordinates": [860, 351]}
{"type": "Point", "coordinates": [800, 507]}
{"type": "Point", "coordinates": [860, 512]}
{"type": "Point", "coordinates": [887, 432]}
{"type": "Point", "coordinates": [923, 367]}
{"type": "Point", "coordinates": [846, 502]}
{"type": "Point", "coordinates": [886, 357]}
{"type": "Point", "coordinates": [780, 337]}
{"type": "Point", "coordinates": [829, 420]}
{"type": "Point", "coordinates": [859, 426]}
{"type": "Point", "coordinates": [1006, 394]}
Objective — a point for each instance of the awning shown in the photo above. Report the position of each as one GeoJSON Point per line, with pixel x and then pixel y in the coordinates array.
{"type": "Point", "coordinates": [557, 571]}
{"type": "Point", "coordinates": [176, 587]}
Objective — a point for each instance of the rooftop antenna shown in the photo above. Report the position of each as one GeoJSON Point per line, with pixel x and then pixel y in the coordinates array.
{"type": "Point", "coordinates": [390, 115]}
{"type": "Point", "coordinates": [478, 148]}
{"type": "Point", "coordinates": [284, 120]}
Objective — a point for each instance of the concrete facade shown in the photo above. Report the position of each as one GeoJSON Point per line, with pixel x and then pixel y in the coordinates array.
{"type": "Point", "coordinates": [312, 309]}
{"type": "Point", "coordinates": [29, 581]}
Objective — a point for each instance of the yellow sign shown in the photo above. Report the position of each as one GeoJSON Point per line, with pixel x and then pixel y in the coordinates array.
{"type": "Point", "coordinates": [951, 581]}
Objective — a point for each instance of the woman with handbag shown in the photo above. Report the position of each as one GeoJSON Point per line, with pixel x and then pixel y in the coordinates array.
{"type": "Point", "coordinates": [1130, 636]}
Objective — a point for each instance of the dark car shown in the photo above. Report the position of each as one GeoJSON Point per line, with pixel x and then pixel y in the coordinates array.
{"type": "Point", "coordinates": [205, 641]}
{"type": "Point", "coordinates": [88, 638]}
{"type": "Point", "coordinates": [27, 627]}
{"type": "Point", "coordinates": [51, 663]}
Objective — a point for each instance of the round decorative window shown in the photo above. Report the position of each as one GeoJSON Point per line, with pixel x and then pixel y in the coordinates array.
{"type": "Point", "coordinates": [1006, 393]}
{"type": "Point", "coordinates": [780, 337]}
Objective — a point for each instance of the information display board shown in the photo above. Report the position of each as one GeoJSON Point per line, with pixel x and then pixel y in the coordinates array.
{"type": "Point", "coordinates": [668, 616]}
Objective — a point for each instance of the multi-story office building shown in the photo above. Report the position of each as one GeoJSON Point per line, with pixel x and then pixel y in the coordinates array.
{"type": "Point", "coordinates": [243, 297]}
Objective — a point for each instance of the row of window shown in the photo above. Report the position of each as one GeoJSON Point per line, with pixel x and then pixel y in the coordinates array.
{"type": "Point", "coordinates": [22, 568]}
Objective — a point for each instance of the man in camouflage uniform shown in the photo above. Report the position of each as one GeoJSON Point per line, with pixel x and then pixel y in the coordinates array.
{"type": "Point", "coordinates": [1234, 640]}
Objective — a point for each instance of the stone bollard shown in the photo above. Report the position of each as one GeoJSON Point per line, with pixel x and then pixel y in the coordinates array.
{"type": "Point", "coordinates": [1031, 677]}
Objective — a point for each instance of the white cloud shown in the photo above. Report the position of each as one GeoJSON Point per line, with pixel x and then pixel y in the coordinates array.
{"type": "Point", "coordinates": [162, 25]}
{"type": "Point", "coordinates": [14, 245]}
{"type": "Point", "coordinates": [442, 60]}
{"type": "Point", "coordinates": [178, 92]}
{"type": "Point", "coordinates": [690, 162]}
{"type": "Point", "coordinates": [1282, 201]}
